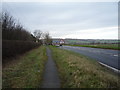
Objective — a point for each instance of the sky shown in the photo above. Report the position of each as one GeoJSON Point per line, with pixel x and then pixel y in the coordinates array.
{"type": "Point", "coordinates": [77, 20]}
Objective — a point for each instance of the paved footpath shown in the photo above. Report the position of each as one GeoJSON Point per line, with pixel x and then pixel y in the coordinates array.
{"type": "Point", "coordinates": [51, 77]}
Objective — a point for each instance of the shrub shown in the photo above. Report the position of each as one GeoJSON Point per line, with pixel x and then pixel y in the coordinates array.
{"type": "Point", "coordinates": [12, 30]}
{"type": "Point", "coordinates": [11, 48]}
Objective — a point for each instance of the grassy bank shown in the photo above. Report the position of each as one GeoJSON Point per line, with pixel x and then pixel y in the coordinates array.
{"type": "Point", "coordinates": [77, 71]}
{"type": "Point", "coordinates": [25, 71]}
{"type": "Point", "coordinates": [104, 46]}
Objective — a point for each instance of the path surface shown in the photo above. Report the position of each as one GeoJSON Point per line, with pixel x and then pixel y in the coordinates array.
{"type": "Point", "coordinates": [51, 77]}
{"type": "Point", "coordinates": [106, 56]}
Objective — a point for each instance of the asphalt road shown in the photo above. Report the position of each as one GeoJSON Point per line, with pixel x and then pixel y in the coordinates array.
{"type": "Point", "coordinates": [105, 56]}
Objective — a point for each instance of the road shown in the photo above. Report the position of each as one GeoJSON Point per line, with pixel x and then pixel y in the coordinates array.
{"type": "Point", "coordinates": [105, 56]}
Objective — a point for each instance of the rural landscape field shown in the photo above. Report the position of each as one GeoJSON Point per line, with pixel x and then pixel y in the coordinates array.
{"type": "Point", "coordinates": [60, 45]}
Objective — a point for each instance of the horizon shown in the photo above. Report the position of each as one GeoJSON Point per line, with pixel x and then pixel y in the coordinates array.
{"type": "Point", "coordinates": [82, 39]}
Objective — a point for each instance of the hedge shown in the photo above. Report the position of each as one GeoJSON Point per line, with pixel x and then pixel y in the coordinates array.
{"type": "Point", "coordinates": [11, 48]}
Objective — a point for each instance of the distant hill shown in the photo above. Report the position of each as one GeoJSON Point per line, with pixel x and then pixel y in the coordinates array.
{"type": "Point", "coordinates": [87, 41]}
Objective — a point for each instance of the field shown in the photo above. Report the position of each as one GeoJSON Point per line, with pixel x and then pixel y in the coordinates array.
{"type": "Point", "coordinates": [95, 43]}
{"type": "Point", "coordinates": [77, 71]}
{"type": "Point", "coordinates": [26, 71]}
{"type": "Point", "coordinates": [105, 46]}
{"type": "Point", "coordinates": [89, 41]}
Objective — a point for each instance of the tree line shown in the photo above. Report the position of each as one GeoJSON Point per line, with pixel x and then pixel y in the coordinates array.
{"type": "Point", "coordinates": [11, 30]}
{"type": "Point", "coordinates": [17, 40]}
{"type": "Point", "coordinates": [44, 37]}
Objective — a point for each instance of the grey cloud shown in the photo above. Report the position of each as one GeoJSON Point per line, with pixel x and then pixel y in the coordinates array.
{"type": "Point", "coordinates": [64, 18]}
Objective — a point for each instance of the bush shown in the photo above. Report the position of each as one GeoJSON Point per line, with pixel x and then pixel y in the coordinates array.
{"type": "Point", "coordinates": [11, 48]}
{"type": "Point", "coordinates": [12, 30]}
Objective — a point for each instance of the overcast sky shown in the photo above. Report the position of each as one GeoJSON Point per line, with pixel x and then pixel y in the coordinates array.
{"type": "Point", "coordinates": [79, 20]}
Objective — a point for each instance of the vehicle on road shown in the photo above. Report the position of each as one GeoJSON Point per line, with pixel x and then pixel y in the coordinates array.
{"type": "Point", "coordinates": [58, 42]}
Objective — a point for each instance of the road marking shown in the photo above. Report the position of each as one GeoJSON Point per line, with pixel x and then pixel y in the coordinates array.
{"type": "Point", "coordinates": [116, 70]}
{"type": "Point", "coordinates": [115, 55]}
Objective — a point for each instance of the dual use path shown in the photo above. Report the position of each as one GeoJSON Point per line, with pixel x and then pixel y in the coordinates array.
{"type": "Point", "coordinates": [51, 78]}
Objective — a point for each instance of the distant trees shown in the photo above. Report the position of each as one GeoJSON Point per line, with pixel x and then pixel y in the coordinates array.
{"type": "Point", "coordinates": [47, 39]}
{"type": "Point", "coordinates": [37, 34]}
{"type": "Point", "coordinates": [43, 37]}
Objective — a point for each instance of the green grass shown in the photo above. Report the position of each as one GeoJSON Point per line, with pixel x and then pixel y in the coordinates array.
{"type": "Point", "coordinates": [77, 71]}
{"type": "Point", "coordinates": [104, 46]}
{"type": "Point", "coordinates": [26, 71]}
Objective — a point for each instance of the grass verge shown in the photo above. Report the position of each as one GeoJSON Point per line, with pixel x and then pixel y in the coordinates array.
{"type": "Point", "coordinates": [77, 71]}
{"type": "Point", "coordinates": [104, 46]}
{"type": "Point", "coordinates": [26, 71]}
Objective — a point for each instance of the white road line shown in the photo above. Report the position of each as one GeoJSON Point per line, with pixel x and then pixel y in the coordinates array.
{"type": "Point", "coordinates": [115, 55]}
{"type": "Point", "coordinates": [116, 70]}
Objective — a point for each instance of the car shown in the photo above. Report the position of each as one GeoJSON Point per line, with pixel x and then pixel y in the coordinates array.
{"type": "Point", "coordinates": [57, 45]}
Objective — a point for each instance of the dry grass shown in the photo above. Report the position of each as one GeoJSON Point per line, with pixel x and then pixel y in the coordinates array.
{"type": "Point", "coordinates": [77, 71]}
{"type": "Point", "coordinates": [27, 71]}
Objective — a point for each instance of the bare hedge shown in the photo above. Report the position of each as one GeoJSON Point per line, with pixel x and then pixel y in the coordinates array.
{"type": "Point", "coordinates": [11, 48]}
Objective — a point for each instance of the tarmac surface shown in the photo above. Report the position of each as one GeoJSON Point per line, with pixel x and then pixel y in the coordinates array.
{"type": "Point", "coordinates": [51, 77]}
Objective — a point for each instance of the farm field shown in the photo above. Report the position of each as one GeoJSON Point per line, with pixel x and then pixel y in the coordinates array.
{"type": "Point", "coordinates": [89, 41]}
{"type": "Point", "coordinates": [105, 46]}
{"type": "Point", "coordinates": [95, 43]}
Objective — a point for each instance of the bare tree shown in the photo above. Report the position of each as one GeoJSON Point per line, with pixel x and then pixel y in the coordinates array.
{"type": "Point", "coordinates": [37, 34]}
{"type": "Point", "coordinates": [12, 30]}
{"type": "Point", "coordinates": [47, 39]}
